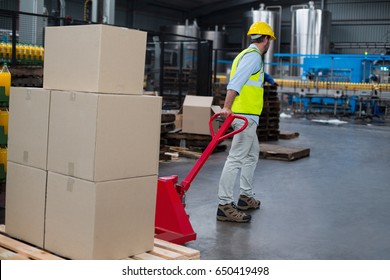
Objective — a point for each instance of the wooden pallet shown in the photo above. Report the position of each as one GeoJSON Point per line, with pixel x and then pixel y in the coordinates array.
{"type": "Point", "coordinates": [270, 151]}
{"type": "Point", "coordinates": [288, 134]}
{"type": "Point", "coordinates": [191, 140]}
{"type": "Point", "coordinates": [167, 127]}
{"type": "Point", "coordinates": [12, 249]}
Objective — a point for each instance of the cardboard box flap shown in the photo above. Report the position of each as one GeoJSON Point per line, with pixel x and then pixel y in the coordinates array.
{"type": "Point", "coordinates": [197, 111]}
{"type": "Point", "coordinates": [198, 101]}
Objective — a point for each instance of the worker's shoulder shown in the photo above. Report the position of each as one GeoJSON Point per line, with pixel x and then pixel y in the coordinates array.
{"type": "Point", "coordinates": [252, 54]}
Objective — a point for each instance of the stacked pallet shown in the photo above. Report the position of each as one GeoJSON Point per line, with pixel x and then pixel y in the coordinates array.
{"type": "Point", "coordinates": [192, 82]}
{"type": "Point", "coordinates": [168, 126]}
{"type": "Point", "coordinates": [174, 77]}
{"type": "Point", "coordinates": [188, 140]}
{"type": "Point", "coordinates": [175, 143]}
{"type": "Point", "coordinates": [177, 82]}
{"type": "Point", "coordinates": [27, 76]}
{"type": "Point", "coordinates": [268, 129]}
{"type": "Point", "coordinates": [167, 122]}
{"type": "Point", "coordinates": [219, 93]}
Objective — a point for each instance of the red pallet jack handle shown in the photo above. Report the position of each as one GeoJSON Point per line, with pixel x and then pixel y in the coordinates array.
{"type": "Point", "coordinates": [216, 139]}
{"type": "Point", "coordinates": [172, 222]}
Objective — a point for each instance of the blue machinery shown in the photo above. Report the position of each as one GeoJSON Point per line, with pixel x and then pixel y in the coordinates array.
{"type": "Point", "coordinates": [340, 83]}
{"type": "Point", "coordinates": [341, 67]}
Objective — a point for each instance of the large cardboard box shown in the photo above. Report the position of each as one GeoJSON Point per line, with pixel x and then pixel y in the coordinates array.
{"type": "Point", "coordinates": [100, 137]}
{"type": "Point", "coordinates": [197, 111]}
{"type": "Point", "coordinates": [25, 203]}
{"type": "Point", "coordinates": [107, 220]}
{"type": "Point", "coordinates": [94, 58]}
{"type": "Point", "coordinates": [28, 126]}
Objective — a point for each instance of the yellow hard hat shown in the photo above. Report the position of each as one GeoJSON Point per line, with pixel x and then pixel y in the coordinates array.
{"type": "Point", "coordinates": [261, 28]}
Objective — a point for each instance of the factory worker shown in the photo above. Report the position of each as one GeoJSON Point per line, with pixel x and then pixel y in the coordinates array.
{"type": "Point", "coordinates": [244, 97]}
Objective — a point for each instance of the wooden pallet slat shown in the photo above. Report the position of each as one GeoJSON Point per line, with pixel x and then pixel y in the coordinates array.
{"type": "Point", "coordinates": [10, 255]}
{"type": "Point", "coordinates": [167, 127]}
{"type": "Point", "coordinates": [190, 253]}
{"type": "Point", "coordinates": [288, 134]}
{"type": "Point", "coordinates": [185, 152]}
{"type": "Point", "coordinates": [145, 257]}
{"type": "Point", "coordinates": [270, 151]}
{"type": "Point", "coordinates": [12, 249]}
{"type": "Point", "coordinates": [25, 249]}
{"type": "Point", "coordinates": [166, 254]}
{"type": "Point", "coordinates": [167, 117]}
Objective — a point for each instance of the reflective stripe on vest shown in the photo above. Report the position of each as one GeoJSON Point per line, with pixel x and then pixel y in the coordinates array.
{"type": "Point", "coordinates": [250, 99]}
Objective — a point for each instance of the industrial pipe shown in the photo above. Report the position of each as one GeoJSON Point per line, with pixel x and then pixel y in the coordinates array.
{"type": "Point", "coordinates": [103, 11]}
{"type": "Point", "coordinates": [94, 10]}
{"type": "Point", "coordinates": [304, 6]}
{"type": "Point", "coordinates": [62, 8]}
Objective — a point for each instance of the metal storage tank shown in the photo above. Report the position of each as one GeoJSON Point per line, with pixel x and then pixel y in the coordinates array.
{"type": "Point", "coordinates": [187, 29]}
{"type": "Point", "coordinates": [310, 33]}
{"type": "Point", "coordinates": [175, 43]}
{"type": "Point", "coordinates": [271, 15]}
{"type": "Point", "coordinates": [219, 38]}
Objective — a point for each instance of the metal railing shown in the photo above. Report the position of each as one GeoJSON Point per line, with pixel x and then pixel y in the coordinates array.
{"type": "Point", "coordinates": [22, 35]}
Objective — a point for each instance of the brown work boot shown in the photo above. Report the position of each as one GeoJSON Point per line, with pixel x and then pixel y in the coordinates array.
{"type": "Point", "coordinates": [230, 213]}
{"type": "Point", "coordinates": [247, 203]}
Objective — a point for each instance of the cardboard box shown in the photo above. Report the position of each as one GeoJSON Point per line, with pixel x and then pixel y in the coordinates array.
{"type": "Point", "coordinates": [197, 111]}
{"type": "Point", "coordinates": [25, 203]}
{"type": "Point", "coordinates": [94, 58]}
{"type": "Point", "coordinates": [178, 121]}
{"type": "Point", "coordinates": [102, 137]}
{"type": "Point", "coordinates": [28, 126]}
{"type": "Point", "coordinates": [107, 220]}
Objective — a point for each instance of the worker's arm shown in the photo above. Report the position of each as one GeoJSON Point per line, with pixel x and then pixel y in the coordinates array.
{"type": "Point", "coordinates": [268, 79]}
{"type": "Point", "coordinates": [227, 107]}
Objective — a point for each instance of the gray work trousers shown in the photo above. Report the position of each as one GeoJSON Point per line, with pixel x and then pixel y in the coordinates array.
{"type": "Point", "coordinates": [243, 155]}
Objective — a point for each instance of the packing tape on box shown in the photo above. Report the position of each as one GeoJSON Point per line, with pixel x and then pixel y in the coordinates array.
{"type": "Point", "coordinates": [25, 156]}
{"type": "Point", "coordinates": [71, 168]}
{"type": "Point", "coordinates": [28, 94]}
{"type": "Point", "coordinates": [70, 184]}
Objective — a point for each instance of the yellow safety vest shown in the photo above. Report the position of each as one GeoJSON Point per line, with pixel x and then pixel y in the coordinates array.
{"type": "Point", "coordinates": [250, 99]}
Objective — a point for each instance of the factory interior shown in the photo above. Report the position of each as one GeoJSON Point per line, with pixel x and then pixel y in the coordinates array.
{"type": "Point", "coordinates": [323, 172]}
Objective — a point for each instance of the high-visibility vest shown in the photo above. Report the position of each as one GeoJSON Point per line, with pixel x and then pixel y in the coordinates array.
{"type": "Point", "coordinates": [250, 99]}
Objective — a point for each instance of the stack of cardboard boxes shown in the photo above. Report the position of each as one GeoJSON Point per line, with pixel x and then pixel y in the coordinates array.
{"type": "Point", "coordinates": [83, 151]}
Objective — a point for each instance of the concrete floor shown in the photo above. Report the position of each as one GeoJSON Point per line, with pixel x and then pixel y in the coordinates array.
{"type": "Point", "coordinates": [334, 204]}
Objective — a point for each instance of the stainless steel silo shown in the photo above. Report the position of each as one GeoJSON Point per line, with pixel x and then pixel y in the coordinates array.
{"type": "Point", "coordinates": [174, 44]}
{"type": "Point", "coordinates": [186, 29]}
{"type": "Point", "coordinates": [310, 34]}
{"type": "Point", "coordinates": [272, 16]}
{"type": "Point", "coordinates": [219, 38]}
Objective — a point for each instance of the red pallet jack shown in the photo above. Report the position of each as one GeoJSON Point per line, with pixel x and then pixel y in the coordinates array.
{"type": "Point", "coordinates": [172, 222]}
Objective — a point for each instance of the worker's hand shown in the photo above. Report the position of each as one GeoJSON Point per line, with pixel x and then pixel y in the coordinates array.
{"type": "Point", "coordinates": [225, 112]}
{"type": "Point", "coordinates": [275, 84]}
